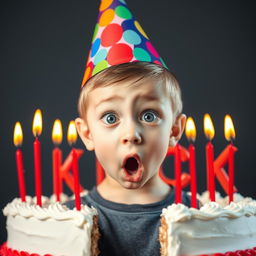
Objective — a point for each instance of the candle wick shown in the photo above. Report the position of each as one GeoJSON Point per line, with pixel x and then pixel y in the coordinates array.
{"type": "Point", "coordinates": [190, 140]}
{"type": "Point", "coordinates": [71, 144]}
{"type": "Point", "coordinates": [18, 146]}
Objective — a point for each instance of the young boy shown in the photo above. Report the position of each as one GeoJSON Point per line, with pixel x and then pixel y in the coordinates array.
{"type": "Point", "coordinates": [130, 113]}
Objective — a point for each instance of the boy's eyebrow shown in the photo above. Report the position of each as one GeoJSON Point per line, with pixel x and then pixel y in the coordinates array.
{"type": "Point", "coordinates": [147, 97]}
{"type": "Point", "coordinates": [115, 97]}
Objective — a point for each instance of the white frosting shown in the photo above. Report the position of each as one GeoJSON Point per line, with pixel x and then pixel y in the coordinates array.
{"type": "Point", "coordinates": [51, 229]}
{"type": "Point", "coordinates": [223, 201]}
{"type": "Point", "coordinates": [212, 228]}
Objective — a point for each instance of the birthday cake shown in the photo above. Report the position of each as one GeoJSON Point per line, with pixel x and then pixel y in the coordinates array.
{"type": "Point", "coordinates": [217, 228]}
{"type": "Point", "coordinates": [52, 229]}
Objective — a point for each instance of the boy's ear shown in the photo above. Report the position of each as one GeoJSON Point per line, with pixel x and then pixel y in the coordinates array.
{"type": "Point", "coordinates": [84, 133]}
{"type": "Point", "coordinates": [177, 129]}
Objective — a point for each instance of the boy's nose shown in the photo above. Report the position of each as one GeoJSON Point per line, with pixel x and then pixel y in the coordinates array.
{"type": "Point", "coordinates": [132, 137]}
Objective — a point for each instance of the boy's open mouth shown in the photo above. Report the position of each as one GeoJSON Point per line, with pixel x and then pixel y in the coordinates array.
{"type": "Point", "coordinates": [131, 164]}
{"type": "Point", "coordinates": [133, 168]}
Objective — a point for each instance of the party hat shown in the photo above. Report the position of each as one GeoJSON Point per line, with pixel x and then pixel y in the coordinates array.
{"type": "Point", "coordinates": [118, 38]}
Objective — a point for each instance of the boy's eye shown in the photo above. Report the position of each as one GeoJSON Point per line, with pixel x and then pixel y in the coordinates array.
{"type": "Point", "coordinates": [110, 118]}
{"type": "Point", "coordinates": [149, 116]}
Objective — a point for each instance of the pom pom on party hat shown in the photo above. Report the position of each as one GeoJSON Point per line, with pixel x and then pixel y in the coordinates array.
{"type": "Point", "coordinates": [118, 38]}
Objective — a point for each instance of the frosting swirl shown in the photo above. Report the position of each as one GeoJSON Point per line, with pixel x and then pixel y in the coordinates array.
{"type": "Point", "coordinates": [177, 212]}
{"type": "Point", "coordinates": [55, 211]}
{"type": "Point", "coordinates": [211, 210]}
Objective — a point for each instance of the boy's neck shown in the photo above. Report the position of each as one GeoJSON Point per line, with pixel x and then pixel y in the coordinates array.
{"type": "Point", "coordinates": [152, 192]}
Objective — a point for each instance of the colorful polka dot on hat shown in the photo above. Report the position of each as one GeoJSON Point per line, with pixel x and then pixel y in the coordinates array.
{"type": "Point", "coordinates": [118, 38]}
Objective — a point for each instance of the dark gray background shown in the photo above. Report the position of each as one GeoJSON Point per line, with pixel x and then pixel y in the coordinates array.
{"type": "Point", "coordinates": [210, 46]}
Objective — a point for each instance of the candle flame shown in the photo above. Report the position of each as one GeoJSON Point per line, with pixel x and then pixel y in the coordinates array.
{"type": "Point", "coordinates": [37, 123]}
{"type": "Point", "coordinates": [72, 134]}
{"type": "Point", "coordinates": [208, 127]}
{"type": "Point", "coordinates": [229, 129]}
{"type": "Point", "coordinates": [18, 135]}
{"type": "Point", "coordinates": [190, 129]}
{"type": "Point", "coordinates": [57, 132]}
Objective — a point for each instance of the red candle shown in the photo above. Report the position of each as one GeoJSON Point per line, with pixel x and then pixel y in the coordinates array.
{"type": "Point", "coordinates": [191, 135]}
{"type": "Point", "coordinates": [20, 172]}
{"type": "Point", "coordinates": [72, 137]}
{"type": "Point", "coordinates": [177, 166]}
{"type": "Point", "coordinates": [17, 139]}
{"type": "Point", "coordinates": [229, 135]}
{"type": "Point", "coordinates": [57, 158]}
{"type": "Point", "coordinates": [210, 170]}
{"type": "Point", "coordinates": [37, 130]}
{"type": "Point", "coordinates": [192, 169]}
{"type": "Point", "coordinates": [209, 132]}
{"type": "Point", "coordinates": [231, 173]}
{"type": "Point", "coordinates": [38, 175]}
{"type": "Point", "coordinates": [76, 180]}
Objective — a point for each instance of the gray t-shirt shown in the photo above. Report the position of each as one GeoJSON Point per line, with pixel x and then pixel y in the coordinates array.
{"type": "Point", "coordinates": [128, 230]}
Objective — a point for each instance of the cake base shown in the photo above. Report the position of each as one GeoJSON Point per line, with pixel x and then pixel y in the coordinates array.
{"type": "Point", "coordinates": [163, 239]}
{"type": "Point", "coordinates": [214, 229]}
{"type": "Point", "coordinates": [95, 235]}
{"type": "Point", "coordinates": [52, 229]}
{"type": "Point", "coordinates": [5, 251]}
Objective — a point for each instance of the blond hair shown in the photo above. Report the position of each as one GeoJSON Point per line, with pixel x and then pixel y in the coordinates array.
{"type": "Point", "coordinates": [138, 71]}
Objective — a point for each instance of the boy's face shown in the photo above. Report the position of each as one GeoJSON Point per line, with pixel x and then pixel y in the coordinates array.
{"type": "Point", "coordinates": [130, 128]}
